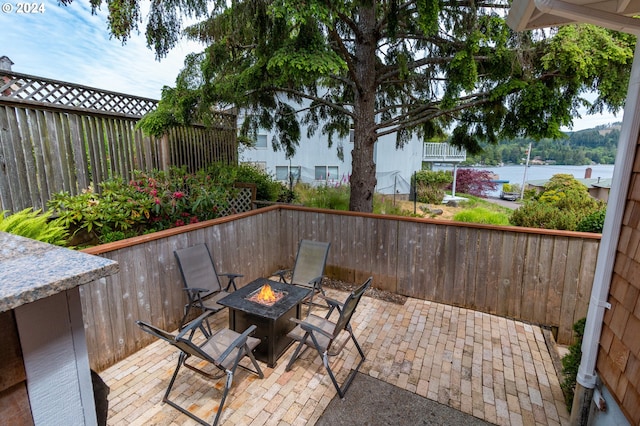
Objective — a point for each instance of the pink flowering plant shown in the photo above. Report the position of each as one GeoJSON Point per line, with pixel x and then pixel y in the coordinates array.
{"type": "Point", "coordinates": [150, 202]}
{"type": "Point", "coordinates": [180, 198]}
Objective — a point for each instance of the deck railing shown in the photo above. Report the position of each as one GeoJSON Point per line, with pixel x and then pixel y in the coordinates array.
{"type": "Point", "coordinates": [539, 276]}
{"type": "Point", "coordinates": [443, 152]}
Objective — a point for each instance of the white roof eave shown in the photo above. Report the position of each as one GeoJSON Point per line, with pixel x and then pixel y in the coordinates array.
{"type": "Point", "coordinates": [534, 14]}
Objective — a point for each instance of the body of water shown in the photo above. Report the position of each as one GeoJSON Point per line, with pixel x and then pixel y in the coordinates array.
{"type": "Point", "coordinates": [516, 174]}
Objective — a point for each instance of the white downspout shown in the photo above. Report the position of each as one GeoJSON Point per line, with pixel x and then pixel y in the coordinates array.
{"type": "Point", "coordinates": [611, 231]}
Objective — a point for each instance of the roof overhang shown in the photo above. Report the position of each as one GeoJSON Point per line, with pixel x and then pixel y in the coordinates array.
{"type": "Point", "coordinates": [615, 14]}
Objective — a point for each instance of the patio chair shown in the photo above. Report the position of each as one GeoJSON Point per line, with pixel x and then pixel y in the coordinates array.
{"type": "Point", "coordinates": [201, 281]}
{"type": "Point", "coordinates": [308, 269]}
{"type": "Point", "coordinates": [327, 336]}
{"type": "Point", "coordinates": [223, 349]}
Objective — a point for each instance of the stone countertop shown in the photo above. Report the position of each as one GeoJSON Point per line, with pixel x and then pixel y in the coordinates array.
{"type": "Point", "coordinates": [31, 270]}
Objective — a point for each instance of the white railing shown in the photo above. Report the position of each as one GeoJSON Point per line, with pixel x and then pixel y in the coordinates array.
{"type": "Point", "coordinates": [443, 152]}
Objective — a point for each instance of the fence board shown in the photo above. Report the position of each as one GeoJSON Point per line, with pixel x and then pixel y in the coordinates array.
{"type": "Point", "coordinates": [33, 193]}
{"type": "Point", "coordinates": [545, 259]}
{"type": "Point", "coordinates": [569, 294]}
{"type": "Point", "coordinates": [6, 156]}
{"type": "Point", "coordinates": [460, 267]}
{"type": "Point", "coordinates": [29, 162]}
{"type": "Point", "coordinates": [588, 257]}
{"type": "Point", "coordinates": [556, 280]}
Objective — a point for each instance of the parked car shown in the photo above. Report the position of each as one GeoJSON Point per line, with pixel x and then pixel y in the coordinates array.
{"type": "Point", "coordinates": [509, 196]}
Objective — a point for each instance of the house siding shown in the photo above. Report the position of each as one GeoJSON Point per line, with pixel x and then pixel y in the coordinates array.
{"type": "Point", "coordinates": [618, 364]}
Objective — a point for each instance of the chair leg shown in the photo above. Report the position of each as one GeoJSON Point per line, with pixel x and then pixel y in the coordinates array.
{"type": "Point", "coordinates": [227, 386]}
{"type": "Point", "coordinates": [296, 353]}
{"type": "Point", "coordinates": [343, 389]}
{"type": "Point", "coordinates": [181, 361]}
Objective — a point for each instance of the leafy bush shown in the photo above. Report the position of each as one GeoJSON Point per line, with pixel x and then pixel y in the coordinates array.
{"type": "Point", "coordinates": [482, 215]}
{"type": "Point", "coordinates": [563, 204]}
{"type": "Point", "coordinates": [474, 182]}
{"type": "Point", "coordinates": [149, 202]}
{"type": "Point", "coordinates": [593, 222]}
{"type": "Point", "coordinates": [511, 187]}
{"type": "Point", "coordinates": [119, 207]}
{"type": "Point", "coordinates": [35, 225]}
{"type": "Point", "coordinates": [267, 189]}
{"type": "Point", "coordinates": [571, 363]}
{"type": "Point", "coordinates": [540, 215]}
{"type": "Point", "coordinates": [430, 185]}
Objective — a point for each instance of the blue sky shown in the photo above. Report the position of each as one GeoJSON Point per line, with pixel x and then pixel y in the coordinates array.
{"type": "Point", "coordinates": [68, 43]}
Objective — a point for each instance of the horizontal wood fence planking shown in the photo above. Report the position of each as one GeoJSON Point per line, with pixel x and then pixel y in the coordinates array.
{"type": "Point", "coordinates": [149, 287]}
{"type": "Point", "coordinates": [543, 277]}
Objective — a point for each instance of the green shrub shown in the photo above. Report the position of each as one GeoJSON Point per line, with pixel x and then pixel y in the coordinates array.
{"type": "Point", "coordinates": [563, 204]}
{"type": "Point", "coordinates": [119, 207]}
{"type": "Point", "coordinates": [511, 187]}
{"type": "Point", "coordinates": [540, 215]}
{"type": "Point", "coordinates": [482, 215]}
{"type": "Point", "coordinates": [35, 225]}
{"type": "Point", "coordinates": [430, 185]}
{"type": "Point", "coordinates": [593, 222]}
{"type": "Point", "coordinates": [267, 189]}
{"type": "Point", "coordinates": [571, 363]}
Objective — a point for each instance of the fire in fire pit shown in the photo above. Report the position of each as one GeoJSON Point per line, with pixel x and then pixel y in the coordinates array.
{"type": "Point", "coordinates": [266, 296]}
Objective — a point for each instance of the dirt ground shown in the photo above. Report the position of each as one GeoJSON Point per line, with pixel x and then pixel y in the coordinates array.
{"type": "Point", "coordinates": [429, 210]}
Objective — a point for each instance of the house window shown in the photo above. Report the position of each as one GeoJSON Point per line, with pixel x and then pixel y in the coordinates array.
{"type": "Point", "coordinates": [326, 173]}
{"type": "Point", "coordinates": [261, 141]}
{"type": "Point", "coordinates": [282, 173]}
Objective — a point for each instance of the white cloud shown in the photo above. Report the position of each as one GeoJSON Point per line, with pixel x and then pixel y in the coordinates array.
{"type": "Point", "coordinates": [68, 43]}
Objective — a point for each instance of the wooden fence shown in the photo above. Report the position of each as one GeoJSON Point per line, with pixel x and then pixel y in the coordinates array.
{"type": "Point", "coordinates": [57, 136]}
{"type": "Point", "coordinates": [539, 276]}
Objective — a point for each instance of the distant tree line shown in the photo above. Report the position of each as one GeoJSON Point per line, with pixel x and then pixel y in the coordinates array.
{"type": "Point", "coordinates": [597, 145]}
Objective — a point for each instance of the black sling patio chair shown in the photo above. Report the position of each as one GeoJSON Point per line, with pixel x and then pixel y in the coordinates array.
{"type": "Point", "coordinates": [330, 337]}
{"type": "Point", "coordinates": [201, 281]}
{"type": "Point", "coordinates": [223, 349]}
{"type": "Point", "coordinates": [308, 269]}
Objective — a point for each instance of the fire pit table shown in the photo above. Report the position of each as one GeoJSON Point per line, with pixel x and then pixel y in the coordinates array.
{"type": "Point", "coordinates": [270, 315]}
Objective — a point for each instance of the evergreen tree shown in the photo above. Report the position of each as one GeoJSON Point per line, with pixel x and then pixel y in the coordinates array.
{"type": "Point", "coordinates": [380, 67]}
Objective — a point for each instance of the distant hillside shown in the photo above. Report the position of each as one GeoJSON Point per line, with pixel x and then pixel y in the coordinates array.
{"type": "Point", "coordinates": [583, 147]}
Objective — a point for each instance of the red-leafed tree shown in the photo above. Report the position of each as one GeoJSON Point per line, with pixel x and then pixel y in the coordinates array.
{"type": "Point", "coordinates": [474, 182]}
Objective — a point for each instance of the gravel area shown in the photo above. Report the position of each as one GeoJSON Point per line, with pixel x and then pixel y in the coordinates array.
{"type": "Point", "coordinates": [371, 292]}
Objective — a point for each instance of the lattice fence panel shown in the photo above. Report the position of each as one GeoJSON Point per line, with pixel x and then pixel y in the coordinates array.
{"type": "Point", "coordinates": [26, 87]}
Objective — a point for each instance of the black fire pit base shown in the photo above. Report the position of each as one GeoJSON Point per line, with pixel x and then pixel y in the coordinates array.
{"type": "Point", "coordinates": [272, 333]}
{"type": "Point", "coordinates": [272, 322]}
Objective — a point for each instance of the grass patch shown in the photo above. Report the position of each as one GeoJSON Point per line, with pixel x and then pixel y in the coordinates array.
{"type": "Point", "coordinates": [482, 215]}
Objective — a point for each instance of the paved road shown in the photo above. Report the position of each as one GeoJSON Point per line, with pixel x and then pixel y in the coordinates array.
{"type": "Point", "coordinates": [509, 204]}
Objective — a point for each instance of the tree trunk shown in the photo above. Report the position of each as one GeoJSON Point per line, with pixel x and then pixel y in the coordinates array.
{"type": "Point", "coordinates": [363, 175]}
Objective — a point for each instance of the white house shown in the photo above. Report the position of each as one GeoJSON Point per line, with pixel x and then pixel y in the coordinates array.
{"type": "Point", "coordinates": [317, 164]}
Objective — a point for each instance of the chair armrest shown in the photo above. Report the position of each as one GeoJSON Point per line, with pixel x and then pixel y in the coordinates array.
{"type": "Point", "coordinates": [240, 341]}
{"type": "Point", "coordinates": [232, 280]}
{"type": "Point", "coordinates": [191, 326]}
{"type": "Point", "coordinates": [281, 273]}
{"type": "Point", "coordinates": [333, 304]}
{"type": "Point", "coordinates": [310, 328]}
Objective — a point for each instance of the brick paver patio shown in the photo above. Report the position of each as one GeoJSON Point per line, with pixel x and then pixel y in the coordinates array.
{"type": "Point", "coordinates": [493, 368]}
